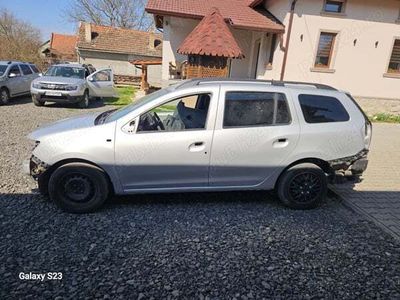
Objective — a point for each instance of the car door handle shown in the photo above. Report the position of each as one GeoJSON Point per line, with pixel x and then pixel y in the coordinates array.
{"type": "Point", "coordinates": [197, 146]}
{"type": "Point", "coordinates": [280, 143]}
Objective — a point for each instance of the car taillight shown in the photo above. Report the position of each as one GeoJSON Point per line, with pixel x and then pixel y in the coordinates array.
{"type": "Point", "coordinates": [368, 134]}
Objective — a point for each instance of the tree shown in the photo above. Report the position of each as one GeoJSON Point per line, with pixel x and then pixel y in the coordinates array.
{"type": "Point", "coordinates": [19, 40]}
{"type": "Point", "coordinates": [119, 13]}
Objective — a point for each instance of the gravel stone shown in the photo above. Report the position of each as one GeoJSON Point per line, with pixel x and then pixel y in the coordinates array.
{"type": "Point", "coordinates": [239, 245]}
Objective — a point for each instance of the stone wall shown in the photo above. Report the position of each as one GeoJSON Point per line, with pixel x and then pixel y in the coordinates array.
{"type": "Point", "coordinates": [373, 106]}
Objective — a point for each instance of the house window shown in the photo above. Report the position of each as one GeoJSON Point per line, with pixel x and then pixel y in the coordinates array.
{"type": "Point", "coordinates": [394, 64]}
{"type": "Point", "coordinates": [325, 49]}
{"type": "Point", "coordinates": [334, 6]}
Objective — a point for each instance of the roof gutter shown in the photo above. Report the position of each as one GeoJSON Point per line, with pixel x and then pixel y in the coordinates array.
{"type": "Point", "coordinates": [289, 33]}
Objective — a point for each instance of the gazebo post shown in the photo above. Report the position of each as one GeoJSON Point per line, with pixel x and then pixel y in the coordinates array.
{"type": "Point", "coordinates": [144, 85]}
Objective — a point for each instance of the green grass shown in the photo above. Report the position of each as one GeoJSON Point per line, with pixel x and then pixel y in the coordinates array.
{"type": "Point", "coordinates": [385, 118]}
{"type": "Point", "coordinates": [125, 96]}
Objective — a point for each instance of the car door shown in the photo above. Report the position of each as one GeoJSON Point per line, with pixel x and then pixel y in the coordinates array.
{"type": "Point", "coordinates": [27, 77]}
{"type": "Point", "coordinates": [15, 81]}
{"type": "Point", "coordinates": [256, 130]}
{"type": "Point", "coordinates": [176, 158]}
{"type": "Point", "coordinates": [101, 83]}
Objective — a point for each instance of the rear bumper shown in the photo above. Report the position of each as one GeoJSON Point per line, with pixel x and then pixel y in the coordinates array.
{"type": "Point", "coordinates": [352, 165]}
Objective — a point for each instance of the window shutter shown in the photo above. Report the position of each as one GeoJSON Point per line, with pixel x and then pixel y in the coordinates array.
{"type": "Point", "coordinates": [396, 53]}
{"type": "Point", "coordinates": [325, 44]}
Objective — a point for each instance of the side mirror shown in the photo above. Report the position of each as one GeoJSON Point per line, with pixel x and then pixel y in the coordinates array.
{"type": "Point", "coordinates": [12, 75]}
{"type": "Point", "coordinates": [91, 79]}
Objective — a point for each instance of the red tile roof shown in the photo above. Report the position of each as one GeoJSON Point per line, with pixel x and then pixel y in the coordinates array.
{"type": "Point", "coordinates": [63, 45]}
{"type": "Point", "coordinates": [211, 37]}
{"type": "Point", "coordinates": [120, 40]}
{"type": "Point", "coordinates": [239, 12]}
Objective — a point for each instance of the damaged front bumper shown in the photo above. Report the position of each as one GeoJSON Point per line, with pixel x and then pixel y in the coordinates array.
{"type": "Point", "coordinates": [353, 165]}
{"type": "Point", "coordinates": [34, 167]}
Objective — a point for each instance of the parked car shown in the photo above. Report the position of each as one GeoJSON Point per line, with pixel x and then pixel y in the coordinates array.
{"type": "Point", "coordinates": [15, 79]}
{"type": "Point", "coordinates": [72, 83]}
{"type": "Point", "coordinates": [206, 135]}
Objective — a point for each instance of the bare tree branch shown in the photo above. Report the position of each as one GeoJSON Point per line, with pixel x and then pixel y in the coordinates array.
{"type": "Point", "coordinates": [120, 13]}
{"type": "Point", "coordinates": [20, 41]}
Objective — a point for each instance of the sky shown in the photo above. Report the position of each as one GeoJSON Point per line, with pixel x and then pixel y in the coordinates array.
{"type": "Point", "coordinates": [46, 15]}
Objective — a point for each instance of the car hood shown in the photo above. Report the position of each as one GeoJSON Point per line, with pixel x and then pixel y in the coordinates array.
{"type": "Point", "coordinates": [58, 80]}
{"type": "Point", "coordinates": [71, 124]}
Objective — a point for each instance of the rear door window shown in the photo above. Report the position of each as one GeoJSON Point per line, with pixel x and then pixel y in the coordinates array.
{"type": "Point", "coordinates": [26, 70]}
{"type": "Point", "coordinates": [246, 109]}
{"type": "Point", "coordinates": [322, 109]}
{"type": "Point", "coordinates": [15, 70]}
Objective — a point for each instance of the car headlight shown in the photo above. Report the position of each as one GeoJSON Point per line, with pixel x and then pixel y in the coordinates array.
{"type": "Point", "coordinates": [71, 87]}
{"type": "Point", "coordinates": [36, 85]}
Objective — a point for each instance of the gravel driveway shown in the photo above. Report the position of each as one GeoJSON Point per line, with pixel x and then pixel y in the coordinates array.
{"type": "Point", "coordinates": [216, 246]}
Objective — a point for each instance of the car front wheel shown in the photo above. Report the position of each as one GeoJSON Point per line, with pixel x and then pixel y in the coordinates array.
{"type": "Point", "coordinates": [303, 186]}
{"type": "Point", "coordinates": [78, 187]}
{"type": "Point", "coordinates": [84, 103]}
{"type": "Point", "coordinates": [36, 101]}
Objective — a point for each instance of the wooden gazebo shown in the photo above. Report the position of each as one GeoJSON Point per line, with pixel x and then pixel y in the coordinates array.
{"type": "Point", "coordinates": [209, 46]}
{"type": "Point", "coordinates": [143, 64]}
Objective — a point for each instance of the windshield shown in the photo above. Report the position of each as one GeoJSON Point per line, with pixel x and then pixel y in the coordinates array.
{"type": "Point", "coordinates": [71, 72]}
{"type": "Point", "coordinates": [2, 70]}
{"type": "Point", "coordinates": [142, 101]}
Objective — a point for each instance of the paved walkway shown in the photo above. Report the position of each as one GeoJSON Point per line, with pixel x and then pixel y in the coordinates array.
{"type": "Point", "coordinates": [378, 195]}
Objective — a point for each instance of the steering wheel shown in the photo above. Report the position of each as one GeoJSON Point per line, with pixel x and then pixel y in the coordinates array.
{"type": "Point", "coordinates": [158, 121]}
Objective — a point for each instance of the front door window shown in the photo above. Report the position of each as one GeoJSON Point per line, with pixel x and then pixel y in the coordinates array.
{"type": "Point", "coordinates": [187, 113]}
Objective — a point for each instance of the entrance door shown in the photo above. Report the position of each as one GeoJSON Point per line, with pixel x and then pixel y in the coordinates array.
{"type": "Point", "coordinates": [256, 55]}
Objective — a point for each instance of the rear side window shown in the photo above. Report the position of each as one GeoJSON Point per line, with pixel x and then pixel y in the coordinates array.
{"type": "Point", "coordinates": [322, 109]}
{"type": "Point", "coordinates": [244, 109]}
{"type": "Point", "coordinates": [26, 70]}
{"type": "Point", "coordinates": [34, 69]}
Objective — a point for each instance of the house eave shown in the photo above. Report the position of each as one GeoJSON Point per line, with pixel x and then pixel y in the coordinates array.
{"type": "Point", "coordinates": [199, 17]}
{"type": "Point", "coordinates": [115, 52]}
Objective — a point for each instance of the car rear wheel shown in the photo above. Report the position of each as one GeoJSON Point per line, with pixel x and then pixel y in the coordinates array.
{"type": "Point", "coordinates": [36, 101]}
{"type": "Point", "coordinates": [78, 187]}
{"type": "Point", "coordinates": [84, 103]}
{"type": "Point", "coordinates": [4, 96]}
{"type": "Point", "coordinates": [303, 186]}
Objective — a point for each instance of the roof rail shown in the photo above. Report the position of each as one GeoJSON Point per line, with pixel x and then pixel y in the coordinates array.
{"type": "Point", "coordinates": [199, 81]}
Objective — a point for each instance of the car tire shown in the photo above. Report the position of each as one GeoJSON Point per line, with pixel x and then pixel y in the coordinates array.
{"type": "Point", "coordinates": [84, 103]}
{"type": "Point", "coordinates": [78, 187]}
{"type": "Point", "coordinates": [4, 96]}
{"type": "Point", "coordinates": [303, 186]}
{"type": "Point", "coordinates": [37, 102]}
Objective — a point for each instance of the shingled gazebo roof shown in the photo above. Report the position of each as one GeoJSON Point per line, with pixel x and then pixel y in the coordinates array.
{"type": "Point", "coordinates": [212, 37]}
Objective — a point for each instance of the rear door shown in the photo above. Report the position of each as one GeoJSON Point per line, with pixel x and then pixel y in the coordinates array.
{"type": "Point", "coordinates": [101, 83]}
{"type": "Point", "coordinates": [256, 131]}
{"type": "Point", "coordinates": [27, 77]}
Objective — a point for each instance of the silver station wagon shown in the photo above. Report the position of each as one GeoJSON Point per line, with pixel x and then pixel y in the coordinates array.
{"type": "Point", "coordinates": [206, 135]}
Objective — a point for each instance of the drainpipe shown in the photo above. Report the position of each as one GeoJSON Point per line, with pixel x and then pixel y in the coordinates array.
{"type": "Point", "coordinates": [289, 33]}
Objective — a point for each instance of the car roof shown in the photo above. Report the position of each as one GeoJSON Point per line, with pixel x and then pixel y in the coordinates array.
{"type": "Point", "coordinates": [11, 62]}
{"type": "Point", "coordinates": [253, 82]}
{"type": "Point", "coordinates": [70, 65]}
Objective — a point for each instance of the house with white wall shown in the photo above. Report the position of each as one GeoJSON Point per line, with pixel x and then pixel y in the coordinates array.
{"type": "Point", "coordinates": [353, 45]}
{"type": "Point", "coordinates": [115, 47]}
